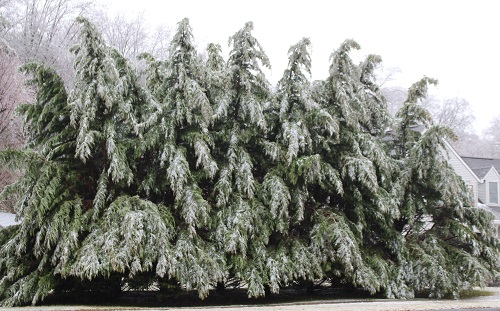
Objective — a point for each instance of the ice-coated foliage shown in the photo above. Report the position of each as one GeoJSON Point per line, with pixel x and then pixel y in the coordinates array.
{"type": "Point", "coordinates": [441, 238]}
{"type": "Point", "coordinates": [243, 224]}
{"type": "Point", "coordinates": [198, 174]}
{"type": "Point", "coordinates": [181, 166]}
{"type": "Point", "coordinates": [79, 169]}
{"type": "Point", "coordinates": [50, 213]}
{"type": "Point", "coordinates": [129, 238]}
{"type": "Point", "coordinates": [249, 87]}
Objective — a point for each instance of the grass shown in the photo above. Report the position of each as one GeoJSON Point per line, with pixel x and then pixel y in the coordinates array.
{"type": "Point", "coordinates": [476, 293]}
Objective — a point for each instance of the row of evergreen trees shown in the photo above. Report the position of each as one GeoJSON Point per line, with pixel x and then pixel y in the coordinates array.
{"type": "Point", "coordinates": [203, 176]}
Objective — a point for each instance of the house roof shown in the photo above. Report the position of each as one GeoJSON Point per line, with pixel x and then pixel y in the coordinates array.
{"type": "Point", "coordinates": [482, 172]}
{"type": "Point", "coordinates": [477, 163]}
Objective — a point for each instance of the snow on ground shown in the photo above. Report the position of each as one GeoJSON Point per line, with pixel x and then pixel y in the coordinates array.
{"type": "Point", "coordinates": [7, 219]}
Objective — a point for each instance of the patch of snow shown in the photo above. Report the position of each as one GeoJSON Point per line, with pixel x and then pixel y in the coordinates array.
{"type": "Point", "coordinates": [7, 219]}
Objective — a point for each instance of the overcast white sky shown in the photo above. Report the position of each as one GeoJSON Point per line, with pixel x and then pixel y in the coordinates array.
{"type": "Point", "coordinates": [456, 42]}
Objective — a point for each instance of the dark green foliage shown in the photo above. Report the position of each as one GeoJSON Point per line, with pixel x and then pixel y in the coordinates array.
{"type": "Point", "coordinates": [204, 176]}
{"type": "Point", "coordinates": [50, 210]}
{"type": "Point", "coordinates": [79, 169]}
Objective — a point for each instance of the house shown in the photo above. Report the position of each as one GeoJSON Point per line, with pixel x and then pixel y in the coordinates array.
{"type": "Point", "coordinates": [482, 177]}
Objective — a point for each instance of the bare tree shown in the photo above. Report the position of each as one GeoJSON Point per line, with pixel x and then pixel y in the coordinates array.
{"type": "Point", "coordinates": [386, 75]}
{"type": "Point", "coordinates": [395, 96]}
{"type": "Point", "coordinates": [12, 92]}
{"type": "Point", "coordinates": [456, 113]}
{"type": "Point", "coordinates": [493, 130]}
{"type": "Point", "coordinates": [128, 36]}
{"type": "Point", "coordinates": [472, 145]}
{"type": "Point", "coordinates": [159, 41]}
{"type": "Point", "coordinates": [43, 30]}
{"type": "Point", "coordinates": [132, 36]}
{"type": "Point", "coordinates": [491, 137]}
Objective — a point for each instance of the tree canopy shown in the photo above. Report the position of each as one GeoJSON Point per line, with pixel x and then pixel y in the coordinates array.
{"type": "Point", "coordinates": [197, 173]}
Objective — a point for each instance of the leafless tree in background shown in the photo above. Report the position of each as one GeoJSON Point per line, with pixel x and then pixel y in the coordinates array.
{"type": "Point", "coordinates": [12, 92]}
{"type": "Point", "coordinates": [128, 36]}
{"type": "Point", "coordinates": [491, 137]}
{"type": "Point", "coordinates": [132, 36]}
{"type": "Point", "coordinates": [474, 145]}
{"type": "Point", "coordinates": [43, 31]}
{"type": "Point", "coordinates": [395, 96]}
{"type": "Point", "coordinates": [456, 113]}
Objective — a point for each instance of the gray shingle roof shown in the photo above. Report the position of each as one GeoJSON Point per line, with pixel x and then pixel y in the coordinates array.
{"type": "Point", "coordinates": [481, 172]}
{"type": "Point", "coordinates": [477, 163]}
{"type": "Point", "coordinates": [481, 166]}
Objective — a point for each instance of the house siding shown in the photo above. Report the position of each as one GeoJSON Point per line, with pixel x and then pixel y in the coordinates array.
{"type": "Point", "coordinates": [461, 170]}
{"type": "Point", "coordinates": [481, 191]}
{"type": "Point", "coordinates": [472, 171]}
{"type": "Point", "coordinates": [465, 172]}
{"type": "Point", "coordinates": [492, 176]}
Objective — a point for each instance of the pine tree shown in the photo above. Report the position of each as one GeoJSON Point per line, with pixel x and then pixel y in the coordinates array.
{"type": "Point", "coordinates": [216, 81]}
{"type": "Point", "coordinates": [182, 154]}
{"type": "Point", "coordinates": [450, 245]}
{"type": "Point", "coordinates": [127, 235]}
{"type": "Point", "coordinates": [241, 226]}
{"type": "Point", "coordinates": [291, 186]}
{"type": "Point", "coordinates": [50, 212]}
{"type": "Point", "coordinates": [81, 217]}
{"type": "Point", "coordinates": [357, 222]}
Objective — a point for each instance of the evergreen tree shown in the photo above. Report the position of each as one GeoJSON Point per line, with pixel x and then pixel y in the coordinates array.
{"type": "Point", "coordinates": [183, 168]}
{"type": "Point", "coordinates": [127, 234]}
{"type": "Point", "coordinates": [241, 226]}
{"type": "Point", "coordinates": [450, 244]}
{"type": "Point", "coordinates": [295, 187]}
{"type": "Point", "coordinates": [216, 81]}
{"type": "Point", "coordinates": [357, 222]}
{"type": "Point", "coordinates": [81, 218]}
{"type": "Point", "coordinates": [50, 211]}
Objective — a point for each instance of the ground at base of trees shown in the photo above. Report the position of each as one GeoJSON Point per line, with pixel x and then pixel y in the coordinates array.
{"type": "Point", "coordinates": [298, 294]}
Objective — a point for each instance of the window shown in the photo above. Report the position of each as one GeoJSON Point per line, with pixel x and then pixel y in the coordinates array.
{"type": "Point", "coordinates": [493, 187]}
